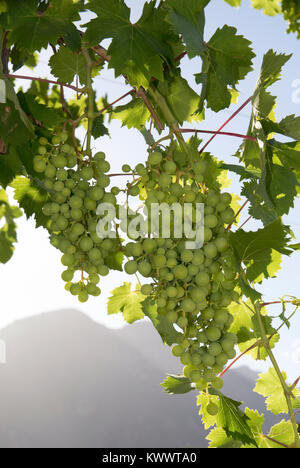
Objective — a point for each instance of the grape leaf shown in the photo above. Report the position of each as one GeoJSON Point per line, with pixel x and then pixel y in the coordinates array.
{"type": "Point", "coordinates": [202, 400]}
{"type": "Point", "coordinates": [114, 260]}
{"type": "Point", "coordinates": [234, 421]}
{"type": "Point", "coordinates": [33, 29]}
{"type": "Point", "coordinates": [268, 385]}
{"type": "Point", "coordinates": [177, 384]}
{"type": "Point", "coordinates": [10, 166]}
{"type": "Point", "coordinates": [181, 98]}
{"type": "Point", "coordinates": [126, 301]}
{"type": "Point", "coordinates": [134, 114]}
{"type": "Point", "coordinates": [8, 231]}
{"type": "Point", "coordinates": [188, 20]}
{"type": "Point", "coordinates": [219, 439]}
{"type": "Point", "coordinates": [65, 65]}
{"type": "Point", "coordinates": [136, 49]}
{"type": "Point", "coordinates": [269, 7]}
{"type": "Point", "coordinates": [226, 60]}
{"type": "Point", "coordinates": [254, 249]}
{"type": "Point", "coordinates": [289, 126]}
{"type": "Point", "coordinates": [48, 116]}
{"type": "Point", "coordinates": [163, 326]}
{"type": "Point", "coordinates": [281, 432]}
{"type": "Point", "coordinates": [262, 105]}
{"type": "Point", "coordinates": [234, 3]}
{"type": "Point", "coordinates": [31, 198]}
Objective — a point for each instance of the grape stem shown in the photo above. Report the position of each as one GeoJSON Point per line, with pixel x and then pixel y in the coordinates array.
{"type": "Point", "coordinates": [225, 123]}
{"type": "Point", "coordinates": [217, 132]}
{"type": "Point", "coordinates": [44, 80]}
{"type": "Point", "coordinates": [286, 390]}
{"type": "Point", "coordinates": [238, 357]}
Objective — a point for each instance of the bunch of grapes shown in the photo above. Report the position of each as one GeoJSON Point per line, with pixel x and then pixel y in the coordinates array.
{"type": "Point", "coordinates": [76, 186]}
{"type": "Point", "coordinates": [192, 288]}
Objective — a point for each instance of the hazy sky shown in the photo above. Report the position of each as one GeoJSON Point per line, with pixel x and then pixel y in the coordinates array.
{"type": "Point", "coordinates": [30, 282]}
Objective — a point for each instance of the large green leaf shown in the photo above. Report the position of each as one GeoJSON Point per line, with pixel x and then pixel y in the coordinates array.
{"type": "Point", "coordinates": [128, 302]}
{"type": "Point", "coordinates": [177, 384]}
{"type": "Point", "coordinates": [269, 385]}
{"type": "Point", "coordinates": [181, 98]}
{"type": "Point", "coordinates": [33, 29]}
{"type": "Point", "coordinates": [253, 249]}
{"type": "Point", "coordinates": [137, 50]}
{"type": "Point", "coordinates": [269, 7]}
{"type": "Point", "coordinates": [188, 20]}
{"type": "Point", "coordinates": [134, 114]}
{"type": "Point", "coordinates": [226, 60]}
{"type": "Point", "coordinates": [31, 198]}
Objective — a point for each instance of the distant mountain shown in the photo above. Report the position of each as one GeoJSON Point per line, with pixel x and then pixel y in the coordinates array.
{"type": "Point", "coordinates": [70, 382]}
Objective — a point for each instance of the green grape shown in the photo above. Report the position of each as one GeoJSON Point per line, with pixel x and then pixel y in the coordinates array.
{"type": "Point", "coordinates": [221, 243]}
{"type": "Point", "coordinates": [215, 349]}
{"type": "Point", "coordinates": [172, 316]}
{"type": "Point", "coordinates": [213, 333]}
{"type": "Point", "coordinates": [185, 358]}
{"type": "Point", "coordinates": [187, 256]}
{"type": "Point", "coordinates": [61, 174]}
{"type": "Point", "coordinates": [146, 289]}
{"type": "Point", "coordinates": [76, 202]}
{"type": "Point", "coordinates": [83, 296]}
{"type": "Point", "coordinates": [155, 158]}
{"type": "Point", "coordinates": [228, 216]}
{"type": "Point", "coordinates": [210, 250]}
{"type": "Point", "coordinates": [144, 268]}
{"type": "Point", "coordinates": [217, 383]}
{"type": "Point", "coordinates": [86, 244]}
{"type": "Point", "coordinates": [103, 270]}
{"type": "Point", "coordinates": [126, 168]}
{"type": "Point", "coordinates": [180, 272]}
{"type": "Point", "coordinates": [196, 359]}
{"type": "Point", "coordinates": [75, 289]}
{"type": "Point", "coordinates": [172, 291]}
{"type": "Point", "coordinates": [202, 279]}
{"type": "Point", "coordinates": [212, 409]}
{"type": "Point", "coordinates": [96, 193]}
{"type": "Point", "coordinates": [221, 316]}
{"type": "Point", "coordinates": [100, 156]}
{"type": "Point", "coordinates": [177, 350]}
{"type": "Point", "coordinates": [59, 161]}
{"type": "Point", "coordinates": [209, 375]}
{"type": "Point", "coordinates": [68, 260]}
{"type": "Point", "coordinates": [208, 359]}
{"type": "Point", "coordinates": [195, 376]}
{"type": "Point", "coordinates": [67, 275]}
{"type": "Point", "coordinates": [211, 221]}
{"type": "Point", "coordinates": [76, 214]}
{"type": "Point", "coordinates": [221, 359]}
{"type": "Point", "coordinates": [170, 167]}
{"type": "Point", "coordinates": [188, 305]}
{"type": "Point", "coordinates": [131, 267]}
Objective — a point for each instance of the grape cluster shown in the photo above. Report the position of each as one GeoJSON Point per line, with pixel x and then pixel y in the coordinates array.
{"type": "Point", "coordinates": [76, 186]}
{"type": "Point", "coordinates": [192, 288]}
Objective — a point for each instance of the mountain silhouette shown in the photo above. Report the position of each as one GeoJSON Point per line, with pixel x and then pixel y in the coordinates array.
{"type": "Point", "coordinates": [70, 382]}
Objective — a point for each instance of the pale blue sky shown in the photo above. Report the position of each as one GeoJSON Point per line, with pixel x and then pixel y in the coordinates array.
{"type": "Point", "coordinates": [31, 281]}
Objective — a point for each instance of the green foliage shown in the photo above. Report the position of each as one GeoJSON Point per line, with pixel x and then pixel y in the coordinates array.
{"type": "Point", "coordinates": [177, 384]}
{"type": "Point", "coordinates": [269, 385]}
{"type": "Point", "coordinates": [126, 301]}
{"type": "Point", "coordinates": [203, 302]}
{"type": "Point", "coordinates": [226, 60]}
{"type": "Point", "coordinates": [8, 233]}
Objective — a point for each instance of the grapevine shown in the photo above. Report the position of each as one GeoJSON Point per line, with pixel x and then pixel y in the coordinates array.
{"type": "Point", "coordinates": [205, 301]}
